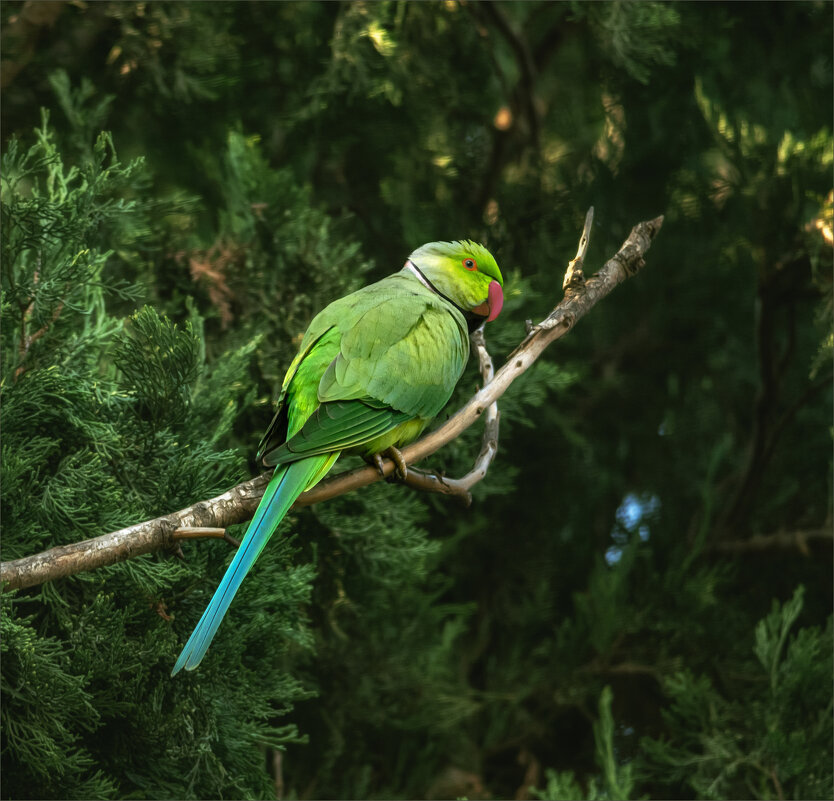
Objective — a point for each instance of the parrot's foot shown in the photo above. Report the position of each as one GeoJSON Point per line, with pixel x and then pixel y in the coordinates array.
{"type": "Point", "coordinates": [392, 453]}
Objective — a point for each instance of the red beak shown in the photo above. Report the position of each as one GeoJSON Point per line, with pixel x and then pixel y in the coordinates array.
{"type": "Point", "coordinates": [492, 306]}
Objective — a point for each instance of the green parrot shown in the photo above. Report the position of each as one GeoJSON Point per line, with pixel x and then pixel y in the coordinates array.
{"type": "Point", "coordinates": [372, 371]}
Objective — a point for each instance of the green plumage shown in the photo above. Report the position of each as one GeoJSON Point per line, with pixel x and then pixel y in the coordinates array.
{"type": "Point", "coordinates": [372, 370]}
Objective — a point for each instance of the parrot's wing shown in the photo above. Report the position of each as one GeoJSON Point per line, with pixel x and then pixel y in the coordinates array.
{"type": "Point", "coordinates": [369, 362]}
{"type": "Point", "coordinates": [336, 426]}
{"type": "Point", "coordinates": [316, 352]}
{"type": "Point", "coordinates": [409, 355]}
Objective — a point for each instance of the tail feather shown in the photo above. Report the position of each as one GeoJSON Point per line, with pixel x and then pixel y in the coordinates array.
{"type": "Point", "coordinates": [286, 485]}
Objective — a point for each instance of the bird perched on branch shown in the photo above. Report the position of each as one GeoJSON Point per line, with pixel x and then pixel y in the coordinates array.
{"type": "Point", "coordinates": [372, 371]}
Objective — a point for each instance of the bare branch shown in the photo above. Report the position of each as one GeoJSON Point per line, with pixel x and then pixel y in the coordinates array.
{"type": "Point", "coordinates": [240, 502]}
{"type": "Point", "coordinates": [432, 482]}
{"type": "Point", "coordinates": [576, 304]}
{"type": "Point", "coordinates": [152, 535]}
{"type": "Point", "coordinates": [489, 446]}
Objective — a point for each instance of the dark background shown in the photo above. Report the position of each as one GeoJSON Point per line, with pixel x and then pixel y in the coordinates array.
{"type": "Point", "coordinates": [638, 602]}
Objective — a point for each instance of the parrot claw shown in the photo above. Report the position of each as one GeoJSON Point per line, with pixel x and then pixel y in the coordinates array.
{"type": "Point", "coordinates": [397, 457]}
{"type": "Point", "coordinates": [401, 471]}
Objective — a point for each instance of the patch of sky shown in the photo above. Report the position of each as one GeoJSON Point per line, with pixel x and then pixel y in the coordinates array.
{"type": "Point", "coordinates": [632, 518]}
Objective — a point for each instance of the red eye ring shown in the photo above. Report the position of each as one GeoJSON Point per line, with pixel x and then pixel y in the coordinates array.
{"type": "Point", "coordinates": [470, 264]}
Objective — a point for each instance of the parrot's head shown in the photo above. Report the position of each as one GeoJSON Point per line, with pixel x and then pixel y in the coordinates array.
{"type": "Point", "coordinates": [463, 272]}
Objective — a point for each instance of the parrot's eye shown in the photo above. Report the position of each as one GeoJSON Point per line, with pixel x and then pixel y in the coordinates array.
{"type": "Point", "coordinates": [470, 264]}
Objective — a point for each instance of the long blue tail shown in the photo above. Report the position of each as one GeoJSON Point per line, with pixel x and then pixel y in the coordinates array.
{"type": "Point", "coordinates": [286, 485]}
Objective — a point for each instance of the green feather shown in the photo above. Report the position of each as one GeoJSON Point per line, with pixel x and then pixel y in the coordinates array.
{"type": "Point", "coordinates": [337, 426]}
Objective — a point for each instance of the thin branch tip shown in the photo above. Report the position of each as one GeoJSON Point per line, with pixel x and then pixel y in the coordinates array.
{"type": "Point", "coordinates": [574, 276]}
{"type": "Point", "coordinates": [654, 225]}
{"type": "Point", "coordinates": [201, 532]}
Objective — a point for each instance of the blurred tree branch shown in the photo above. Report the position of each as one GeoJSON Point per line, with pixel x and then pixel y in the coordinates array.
{"type": "Point", "coordinates": [526, 65]}
{"type": "Point", "coordinates": [780, 541]}
{"type": "Point", "coordinates": [775, 288]}
{"type": "Point", "coordinates": [240, 502]}
{"type": "Point", "coordinates": [20, 36]}
{"type": "Point", "coordinates": [521, 97]}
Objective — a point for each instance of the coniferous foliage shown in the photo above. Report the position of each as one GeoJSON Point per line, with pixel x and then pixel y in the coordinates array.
{"type": "Point", "coordinates": [106, 421]}
{"type": "Point", "coordinates": [638, 603]}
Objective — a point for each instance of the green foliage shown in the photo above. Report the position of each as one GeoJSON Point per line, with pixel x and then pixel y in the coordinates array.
{"type": "Point", "coordinates": [761, 737]}
{"type": "Point", "coordinates": [154, 355]}
{"type": "Point", "coordinates": [49, 214]}
{"type": "Point", "coordinates": [104, 425]}
{"type": "Point", "coordinates": [276, 156]}
{"type": "Point", "coordinates": [49, 701]}
{"type": "Point", "coordinates": [637, 35]}
{"type": "Point", "coordinates": [616, 780]}
{"type": "Point", "coordinates": [292, 258]}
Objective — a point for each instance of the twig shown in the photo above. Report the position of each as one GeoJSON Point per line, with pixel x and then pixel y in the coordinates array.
{"type": "Point", "coordinates": [162, 610]}
{"type": "Point", "coordinates": [780, 794]}
{"type": "Point", "coordinates": [782, 540]}
{"type": "Point", "coordinates": [278, 773]}
{"type": "Point", "coordinates": [198, 532]}
{"type": "Point", "coordinates": [27, 340]}
{"type": "Point", "coordinates": [574, 277]}
{"type": "Point", "coordinates": [489, 444]}
{"type": "Point", "coordinates": [771, 373]}
{"type": "Point", "coordinates": [532, 774]}
{"type": "Point", "coordinates": [432, 482]}
{"type": "Point", "coordinates": [621, 668]}
{"type": "Point", "coordinates": [790, 413]}
{"type": "Point", "coordinates": [239, 503]}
